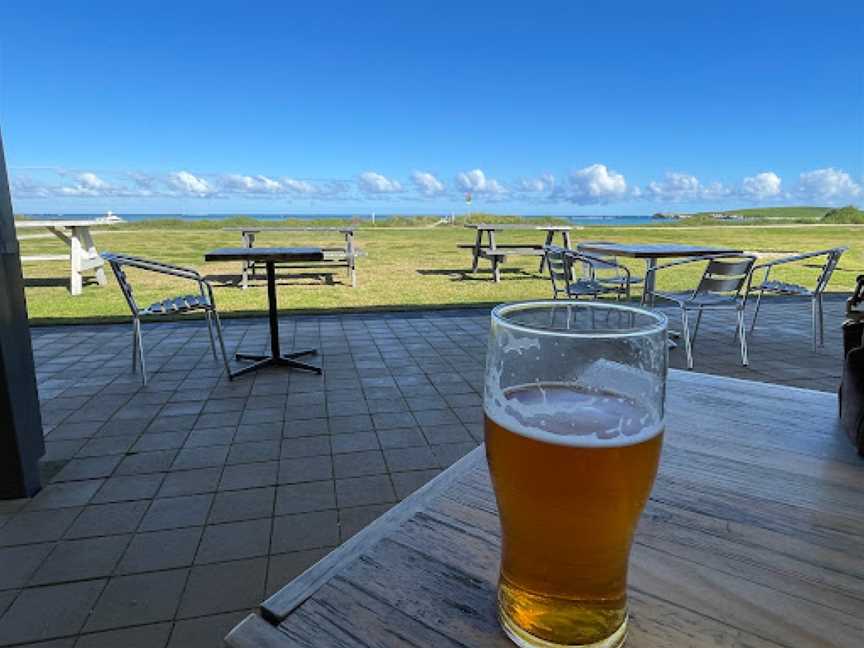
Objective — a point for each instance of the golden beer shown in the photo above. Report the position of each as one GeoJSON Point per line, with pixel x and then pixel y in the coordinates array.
{"type": "Point", "coordinates": [572, 470]}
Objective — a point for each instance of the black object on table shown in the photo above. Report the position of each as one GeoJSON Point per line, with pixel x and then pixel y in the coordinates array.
{"type": "Point", "coordinates": [269, 257]}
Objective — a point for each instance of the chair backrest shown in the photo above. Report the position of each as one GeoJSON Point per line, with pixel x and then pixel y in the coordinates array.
{"type": "Point", "coordinates": [559, 269]}
{"type": "Point", "coordinates": [725, 274]}
{"type": "Point", "coordinates": [601, 266]}
{"type": "Point", "coordinates": [832, 260]}
{"type": "Point", "coordinates": [117, 261]}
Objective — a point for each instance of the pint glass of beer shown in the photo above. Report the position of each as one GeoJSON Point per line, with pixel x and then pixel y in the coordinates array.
{"type": "Point", "coordinates": [573, 407]}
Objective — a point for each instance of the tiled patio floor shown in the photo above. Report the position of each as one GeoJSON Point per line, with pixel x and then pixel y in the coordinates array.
{"type": "Point", "coordinates": [170, 511]}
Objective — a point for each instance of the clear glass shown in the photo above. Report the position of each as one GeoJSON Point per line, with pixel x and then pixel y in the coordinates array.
{"type": "Point", "coordinates": [573, 407]}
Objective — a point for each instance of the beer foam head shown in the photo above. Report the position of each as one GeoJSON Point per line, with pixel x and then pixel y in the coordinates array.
{"type": "Point", "coordinates": [573, 415]}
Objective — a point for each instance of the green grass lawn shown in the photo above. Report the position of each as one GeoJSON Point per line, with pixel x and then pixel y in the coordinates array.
{"type": "Point", "coordinates": [404, 267]}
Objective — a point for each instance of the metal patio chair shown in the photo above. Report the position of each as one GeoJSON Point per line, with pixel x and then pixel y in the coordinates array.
{"type": "Point", "coordinates": [772, 286]}
{"type": "Point", "coordinates": [719, 288]}
{"type": "Point", "coordinates": [560, 262]}
{"type": "Point", "coordinates": [202, 301]}
{"type": "Point", "coordinates": [609, 271]}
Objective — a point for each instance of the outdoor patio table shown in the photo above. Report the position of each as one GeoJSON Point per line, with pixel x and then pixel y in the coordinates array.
{"type": "Point", "coordinates": [752, 537]}
{"type": "Point", "coordinates": [269, 257]}
{"type": "Point", "coordinates": [651, 252]}
{"type": "Point", "coordinates": [497, 253]}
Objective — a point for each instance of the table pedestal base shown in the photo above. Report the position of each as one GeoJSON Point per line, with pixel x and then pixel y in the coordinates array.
{"type": "Point", "coordinates": [285, 360]}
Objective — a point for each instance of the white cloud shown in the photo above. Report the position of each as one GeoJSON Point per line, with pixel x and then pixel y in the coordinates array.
{"type": "Point", "coordinates": [371, 182]}
{"type": "Point", "coordinates": [592, 185]}
{"type": "Point", "coordinates": [185, 182]}
{"type": "Point", "coordinates": [235, 183]}
{"type": "Point", "coordinates": [477, 182]}
{"type": "Point", "coordinates": [762, 185]}
{"type": "Point", "coordinates": [88, 184]}
{"type": "Point", "coordinates": [828, 184]}
{"type": "Point", "coordinates": [546, 182]}
{"type": "Point", "coordinates": [675, 186]}
{"type": "Point", "coordinates": [426, 183]}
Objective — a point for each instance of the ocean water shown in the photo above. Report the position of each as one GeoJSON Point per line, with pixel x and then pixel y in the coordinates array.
{"type": "Point", "coordinates": [588, 220]}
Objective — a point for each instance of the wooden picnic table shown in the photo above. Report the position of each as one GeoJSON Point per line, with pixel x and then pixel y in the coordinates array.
{"type": "Point", "coordinates": [82, 255]}
{"type": "Point", "coordinates": [497, 253]}
{"type": "Point", "coordinates": [270, 257]}
{"type": "Point", "coordinates": [753, 536]}
{"type": "Point", "coordinates": [650, 252]}
{"type": "Point", "coordinates": [344, 256]}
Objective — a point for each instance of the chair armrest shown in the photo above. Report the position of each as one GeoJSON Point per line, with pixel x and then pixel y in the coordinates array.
{"type": "Point", "coordinates": [152, 266]}
{"type": "Point", "coordinates": [799, 257]}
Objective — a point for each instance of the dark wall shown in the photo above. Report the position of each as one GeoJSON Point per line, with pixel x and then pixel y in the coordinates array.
{"type": "Point", "coordinates": [21, 442]}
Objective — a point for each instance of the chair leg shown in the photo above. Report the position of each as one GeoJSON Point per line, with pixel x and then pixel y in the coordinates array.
{"type": "Point", "coordinates": [696, 328]}
{"type": "Point", "coordinates": [685, 334]}
{"type": "Point", "coordinates": [756, 311]}
{"type": "Point", "coordinates": [742, 334]}
{"type": "Point", "coordinates": [813, 307]}
{"type": "Point", "coordinates": [209, 319]}
{"type": "Point", "coordinates": [821, 322]}
{"type": "Point", "coordinates": [141, 351]}
{"type": "Point", "coordinates": [134, 346]}
{"type": "Point", "coordinates": [222, 344]}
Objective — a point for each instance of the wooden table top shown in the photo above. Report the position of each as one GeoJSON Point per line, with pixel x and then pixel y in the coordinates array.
{"type": "Point", "coordinates": [652, 250]}
{"type": "Point", "coordinates": [514, 226]}
{"type": "Point", "coordinates": [265, 254]}
{"type": "Point", "coordinates": [753, 536]}
{"type": "Point", "coordinates": [69, 222]}
{"type": "Point", "coordinates": [343, 230]}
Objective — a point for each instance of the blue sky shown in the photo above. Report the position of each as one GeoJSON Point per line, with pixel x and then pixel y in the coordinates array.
{"type": "Point", "coordinates": [542, 107]}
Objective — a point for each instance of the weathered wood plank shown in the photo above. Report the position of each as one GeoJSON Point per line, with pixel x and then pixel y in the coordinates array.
{"type": "Point", "coordinates": [752, 538]}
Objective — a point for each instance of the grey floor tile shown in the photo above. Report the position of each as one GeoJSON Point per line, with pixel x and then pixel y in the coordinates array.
{"type": "Point", "coordinates": [106, 519]}
{"type": "Point", "coordinates": [213, 436]}
{"type": "Point", "coordinates": [19, 563]}
{"type": "Point", "coordinates": [190, 482]}
{"type": "Point", "coordinates": [160, 550]}
{"type": "Point", "coordinates": [175, 512]}
{"type": "Point", "coordinates": [160, 441]}
{"type": "Point", "coordinates": [37, 526]}
{"type": "Point", "coordinates": [346, 424]}
{"type": "Point", "coordinates": [305, 531]}
{"type": "Point", "coordinates": [127, 488]}
{"type": "Point", "coordinates": [228, 586]}
{"type": "Point", "coordinates": [81, 559]}
{"type": "Point", "coordinates": [190, 458]}
{"type": "Point", "coordinates": [109, 445]}
{"type": "Point", "coordinates": [359, 491]}
{"type": "Point", "coordinates": [55, 496]}
{"type": "Point", "coordinates": [304, 497]}
{"type": "Point", "coordinates": [292, 471]}
{"type": "Point", "coordinates": [249, 475]}
{"type": "Point", "coordinates": [90, 468]}
{"type": "Point", "coordinates": [234, 541]}
{"type": "Point", "coordinates": [204, 632]}
{"type": "Point", "coordinates": [406, 483]}
{"type": "Point", "coordinates": [138, 599]}
{"type": "Point", "coordinates": [283, 568]}
{"type": "Point", "coordinates": [451, 433]}
{"type": "Point", "coordinates": [305, 447]}
{"type": "Point", "coordinates": [43, 613]}
{"type": "Point", "coordinates": [354, 442]}
{"type": "Point", "coordinates": [416, 458]}
{"type": "Point", "coordinates": [401, 438]}
{"type": "Point", "coordinates": [450, 453]}
{"type": "Point", "coordinates": [258, 432]}
{"type": "Point", "coordinates": [389, 421]}
{"type": "Point", "coordinates": [250, 504]}
{"type": "Point", "coordinates": [144, 463]}
{"type": "Point", "coordinates": [147, 636]}
{"type": "Point", "coordinates": [357, 464]}
{"type": "Point", "coordinates": [254, 452]}
{"type": "Point", "coordinates": [306, 427]}
{"type": "Point", "coordinates": [353, 519]}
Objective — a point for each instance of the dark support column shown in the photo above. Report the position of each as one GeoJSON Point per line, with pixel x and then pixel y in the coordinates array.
{"type": "Point", "coordinates": [21, 442]}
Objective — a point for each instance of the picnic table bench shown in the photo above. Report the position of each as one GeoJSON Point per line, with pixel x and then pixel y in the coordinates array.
{"type": "Point", "coordinates": [497, 253]}
{"type": "Point", "coordinates": [82, 255]}
{"type": "Point", "coordinates": [751, 537]}
{"type": "Point", "coordinates": [344, 256]}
